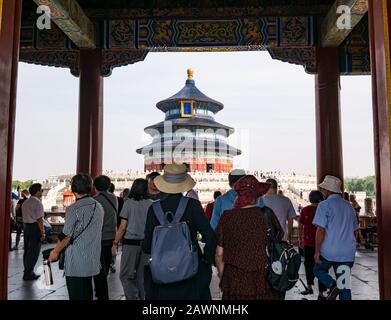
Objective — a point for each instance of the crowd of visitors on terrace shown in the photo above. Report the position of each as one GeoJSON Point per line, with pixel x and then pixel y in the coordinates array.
{"type": "Point", "coordinates": [169, 243]}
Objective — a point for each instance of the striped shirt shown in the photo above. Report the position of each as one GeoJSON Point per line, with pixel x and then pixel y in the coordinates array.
{"type": "Point", "coordinates": [82, 258]}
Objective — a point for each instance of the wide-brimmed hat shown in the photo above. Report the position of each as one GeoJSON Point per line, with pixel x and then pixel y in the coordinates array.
{"type": "Point", "coordinates": [248, 190]}
{"type": "Point", "coordinates": [175, 179]}
{"type": "Point", "coordinates": [332, 184]}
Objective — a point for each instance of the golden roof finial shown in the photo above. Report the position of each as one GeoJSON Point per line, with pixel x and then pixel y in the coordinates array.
{"type": "Point", "coordinates": [190, 74]}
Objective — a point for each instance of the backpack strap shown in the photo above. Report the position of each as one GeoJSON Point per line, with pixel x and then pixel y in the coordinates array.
{"type": "Point", "coordinates": [181, 209]}
{"type": "Point", "coordinates": [158, 211]}
{"type": "Point", "coordinates": [272, 232]}
{"type": "Point", "coordinates": [266, 218]}
{"type": "Point", "coordinates": [109, 201]}
{"type": "Point", "coordinates": [73, 238]}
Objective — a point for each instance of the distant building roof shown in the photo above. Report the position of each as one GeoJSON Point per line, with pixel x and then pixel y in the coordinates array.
{"type": "Point", "coordinates": [190, 92]}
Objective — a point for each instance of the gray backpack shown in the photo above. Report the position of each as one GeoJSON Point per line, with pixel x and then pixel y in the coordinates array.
{"type": "Point", "coordinates": [173, 256]}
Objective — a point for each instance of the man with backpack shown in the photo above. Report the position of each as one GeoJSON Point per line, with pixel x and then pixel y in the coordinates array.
{"type": "Point", "coordinates": [176, 267]}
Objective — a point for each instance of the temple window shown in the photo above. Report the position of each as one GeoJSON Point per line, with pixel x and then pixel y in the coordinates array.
{"type": "Point", "coordinates": [187, 108]}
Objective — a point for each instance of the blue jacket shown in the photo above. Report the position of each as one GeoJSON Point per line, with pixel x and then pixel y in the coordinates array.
{"type": "Point", "coordinates": [223, 203]}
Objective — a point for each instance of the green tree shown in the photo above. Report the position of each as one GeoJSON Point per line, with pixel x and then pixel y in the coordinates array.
{"type": "Point", "coordinates": [367, 184]}
{"type": "Point", "coordinates": [21, 184]}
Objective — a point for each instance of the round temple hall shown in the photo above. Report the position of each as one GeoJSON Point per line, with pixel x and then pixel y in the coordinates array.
{"type": "Point", "coordinates": [189, 134]}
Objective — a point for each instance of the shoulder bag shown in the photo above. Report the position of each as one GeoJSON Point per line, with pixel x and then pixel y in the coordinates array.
{"type": "Point", "coordinates": [61, 259]}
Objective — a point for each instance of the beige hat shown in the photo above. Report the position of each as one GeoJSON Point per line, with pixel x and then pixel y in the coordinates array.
{"type": "Point", "coordinates": [175, 179]}
{"type": "Point", "coordinates": [332, 184]}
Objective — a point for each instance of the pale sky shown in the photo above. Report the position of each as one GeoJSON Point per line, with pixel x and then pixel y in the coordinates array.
{"type": "Point", "coordinates": [268, 102]}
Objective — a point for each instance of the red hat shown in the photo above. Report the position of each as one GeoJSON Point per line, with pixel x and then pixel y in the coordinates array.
{"type": "Point", "coordinates": [249, 189]}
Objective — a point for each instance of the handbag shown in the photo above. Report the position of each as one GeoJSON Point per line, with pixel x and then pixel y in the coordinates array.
{"type": "Point", "coordinates": [61, 256]}
{"type": "Point", "coordinates": [61, 259]}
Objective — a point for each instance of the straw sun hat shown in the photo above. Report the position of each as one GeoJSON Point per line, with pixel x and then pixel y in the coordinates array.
{"type": "Point", "coordinates": [175, 179]}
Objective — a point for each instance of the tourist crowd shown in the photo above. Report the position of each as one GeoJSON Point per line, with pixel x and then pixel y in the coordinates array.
{"type": "Point", "coordinates": [170, 244]}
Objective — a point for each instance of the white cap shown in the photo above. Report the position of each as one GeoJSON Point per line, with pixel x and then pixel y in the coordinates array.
{"type": "Point", "coordinates": [238, 172]}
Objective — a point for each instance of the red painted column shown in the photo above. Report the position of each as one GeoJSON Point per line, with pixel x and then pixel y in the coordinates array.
{"type": "Point", "coordinates": [380, 44]}
{"type": "Point", "coordinates": [328, 116]}
{"type": "Point", "coordinates": [90, 135]}
{"type": "Point", "coordinates": [9, 56]}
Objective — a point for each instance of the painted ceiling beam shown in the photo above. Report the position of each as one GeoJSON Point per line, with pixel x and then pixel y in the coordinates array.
{"type": "Point", "coordinates": [331, 34]}
{"type": "Point", "coordinates": [71, 19]}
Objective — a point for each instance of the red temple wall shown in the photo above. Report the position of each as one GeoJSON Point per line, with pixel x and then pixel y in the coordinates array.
{"type": "Point", "coordinates": [219, 165]}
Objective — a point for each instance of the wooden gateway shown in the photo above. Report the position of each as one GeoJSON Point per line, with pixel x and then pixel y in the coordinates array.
{"type": "Point", "coordinates": [329, 38]}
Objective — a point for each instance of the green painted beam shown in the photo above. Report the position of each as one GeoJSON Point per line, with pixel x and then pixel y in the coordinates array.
{"type": "Point", "coordinates": [331, 34]}
{"type": "Point", "coordinates": [71, 19]}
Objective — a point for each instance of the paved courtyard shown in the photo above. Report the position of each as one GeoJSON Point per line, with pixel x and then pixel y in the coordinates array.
{"type": "Point", "coordinates": [364, 281]}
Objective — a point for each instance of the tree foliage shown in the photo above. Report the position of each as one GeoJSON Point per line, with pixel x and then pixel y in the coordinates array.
{"type": "Point", "coordinates": [367, 184]}
{"type": "Point", "coordinates": [21, 184]}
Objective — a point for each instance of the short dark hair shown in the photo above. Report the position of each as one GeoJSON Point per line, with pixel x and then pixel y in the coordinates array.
{"type": "Point", "coordinates": [153, 175]}
{"type": "Point", "coordinates": [233, 178]}
{"type": "Point", "coordinates": [216, 194]}
{"type": "Point", "coordinates": [35, 188]}
{"type": "Point", "coordinates": [273, 183]}
{"type": "Point", "coordinates": [112, 188]}
{"type": "Point", "coordinates": [346, 196]}
{"type": "Point", "coordinates": [102, 183]}
{"type": "Point", "coordinates": [81, 184]}
{"type": "Point", "coordinates": [139, 190]}
{"type": "Point", "coordinates": [315, 196]}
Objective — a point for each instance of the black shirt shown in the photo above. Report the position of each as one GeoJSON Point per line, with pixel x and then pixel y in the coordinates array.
{"type": "Point", "coordinates": [19, 210]}
{"type": "Point", "coordinates": [160, 196]}
{"type": "Point", "coordinates": [195, 218]}
{"type": "Point", "coordinates": [121, 202]}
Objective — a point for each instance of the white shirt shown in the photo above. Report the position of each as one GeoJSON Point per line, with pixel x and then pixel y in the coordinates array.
{"type": "Point", "coordinates": [282, 207]}
{"type": "Point", "coordinates": [32, 210]}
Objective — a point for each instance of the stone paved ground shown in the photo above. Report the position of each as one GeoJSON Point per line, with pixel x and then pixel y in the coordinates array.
{"type": "Point", "coordinates": [364, 281]}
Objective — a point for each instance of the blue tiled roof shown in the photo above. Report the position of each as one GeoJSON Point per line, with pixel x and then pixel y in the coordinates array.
{"type": "Point", "coordinates": [190, 92]}
{"type": "Point", "coordinates": [192, 122]}
{"type": "Point", "coordinates": [196, 143]}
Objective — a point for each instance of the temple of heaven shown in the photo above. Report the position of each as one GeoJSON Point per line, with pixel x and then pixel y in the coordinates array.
{"type": "Point", "coordinates": [189, 134]}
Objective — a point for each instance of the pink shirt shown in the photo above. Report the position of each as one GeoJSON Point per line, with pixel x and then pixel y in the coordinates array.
{"type": "Point", "coordinates": [32, 210]}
